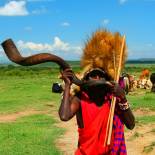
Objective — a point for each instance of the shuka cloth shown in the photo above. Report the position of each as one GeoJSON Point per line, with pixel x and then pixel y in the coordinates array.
{"type": "Point", "coordinates": [92, 136]}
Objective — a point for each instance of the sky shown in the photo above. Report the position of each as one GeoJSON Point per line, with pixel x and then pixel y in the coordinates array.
{"type": "Point", "coordinates": [61, 27]}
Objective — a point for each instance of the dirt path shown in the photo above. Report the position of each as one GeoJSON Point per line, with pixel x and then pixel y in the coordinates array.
{"type": "Point", "coordinates": [138, 140]}
{"type": "Point", "coordinates": [67, 143]}
{"type": "Point", "coordinates": [15, 116]}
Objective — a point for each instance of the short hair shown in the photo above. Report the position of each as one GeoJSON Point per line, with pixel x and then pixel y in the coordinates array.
{"type": "Point", "coordinates": [97, 71]}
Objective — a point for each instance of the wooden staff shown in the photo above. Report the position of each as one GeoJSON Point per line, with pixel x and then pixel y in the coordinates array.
{"type": "Point", "coordinates": [113, 102]}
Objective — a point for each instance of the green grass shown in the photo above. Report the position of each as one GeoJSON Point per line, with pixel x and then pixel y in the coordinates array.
{"type": "Point", "coordinates": [145, 119]}
{"type": "Point", "coordinates": [33, 135]}
{"type": "Point", "coordinates": [24, 88]}
{"type": "Point", "coordinates": [149, 148]}
{"type": "Point", "coordinates": [145, 99]}
{"type": "Point", "coordinates": [18, 93]}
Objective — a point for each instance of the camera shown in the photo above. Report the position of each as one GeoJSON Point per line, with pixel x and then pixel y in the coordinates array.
{"type": "Point", "coordinates": [57, 88]}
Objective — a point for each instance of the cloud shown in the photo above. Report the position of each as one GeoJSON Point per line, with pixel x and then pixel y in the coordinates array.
{"type": "Point", "coordinates": [65, 24]}
{"type": "Point", "coordinates": [1, 52]}
{"type": "Point", "coordinates": [105, 21]}
{"type": "Point", "coordinates": [3, 57]}
{"type": "Point", "coordinates": [58, 44]}
{"type": "Point", "coordinates": [33, 46]}
{"type": "Point", "coordinates": [122, 1]}
{"type": "Point", "coordinates": [58, 47]}
{"type": "Point", "coordinates": [39, 11]}
{"type": "Point", "coordinates": [14, 8]}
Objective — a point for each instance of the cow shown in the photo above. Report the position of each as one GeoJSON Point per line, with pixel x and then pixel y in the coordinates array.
{"type": "Point", "coordinates": [144, 81]}
{"type": "Point", "coordinates": [144, 74]}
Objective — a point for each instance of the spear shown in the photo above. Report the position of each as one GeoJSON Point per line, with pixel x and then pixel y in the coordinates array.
{"type": "Point", "coordinates": [113, 102]}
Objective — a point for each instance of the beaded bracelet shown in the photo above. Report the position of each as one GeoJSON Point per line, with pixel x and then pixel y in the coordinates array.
{"type": "Point", "coordinates": [124, 106]}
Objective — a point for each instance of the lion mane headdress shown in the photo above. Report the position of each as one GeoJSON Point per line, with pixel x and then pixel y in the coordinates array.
{"type": "Point", "coordinates": [102, 50]}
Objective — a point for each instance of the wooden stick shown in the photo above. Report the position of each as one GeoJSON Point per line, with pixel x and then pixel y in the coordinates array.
{"type": "Point", "coordinates": [107, 129]}
{"type": "Point", "coordinates": [112, 108]}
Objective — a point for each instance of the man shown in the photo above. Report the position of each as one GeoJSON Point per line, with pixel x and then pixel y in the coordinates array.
{"type": "Point", "coordinates": [91, 106]}
{"type": "Point", "coordinates": [91, 103]}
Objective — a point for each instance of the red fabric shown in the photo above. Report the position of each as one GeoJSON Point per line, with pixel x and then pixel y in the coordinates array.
{"type": "Point", "coordinates": [92, 136]}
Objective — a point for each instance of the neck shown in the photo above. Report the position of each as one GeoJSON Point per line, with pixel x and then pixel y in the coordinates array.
{"type": "Point", "coordinates": [98, 100]}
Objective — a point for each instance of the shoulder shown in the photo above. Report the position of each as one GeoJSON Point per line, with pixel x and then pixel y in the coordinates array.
{"type": "Point", "coordinates": [75, 99]}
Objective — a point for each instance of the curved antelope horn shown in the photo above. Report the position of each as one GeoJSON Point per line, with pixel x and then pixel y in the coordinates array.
{"type": "Point", "coordinates": [14, 55]}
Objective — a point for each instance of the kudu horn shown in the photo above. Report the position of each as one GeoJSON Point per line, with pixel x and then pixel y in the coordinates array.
{"type": "Point", "coordinates": [14, 55]}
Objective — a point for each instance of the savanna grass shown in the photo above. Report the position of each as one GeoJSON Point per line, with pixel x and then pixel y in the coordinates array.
{"type": "Point", "coordinates": [33, 135]}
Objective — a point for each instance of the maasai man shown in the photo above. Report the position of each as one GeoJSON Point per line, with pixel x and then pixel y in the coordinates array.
{"type": "Point", "coordinates": [91, 103]}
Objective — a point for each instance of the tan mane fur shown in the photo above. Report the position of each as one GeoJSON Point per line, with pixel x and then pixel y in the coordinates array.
{"type": "Point", "coordinates": [102, 50]}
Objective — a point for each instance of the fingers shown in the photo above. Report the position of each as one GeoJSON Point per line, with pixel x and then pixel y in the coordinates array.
{"type": "Point", "coordinates": [68, 70]}
{"type": "Point", "coordinates": [67, 75]}
{"type": "Point", "coordinates": [117, 91]}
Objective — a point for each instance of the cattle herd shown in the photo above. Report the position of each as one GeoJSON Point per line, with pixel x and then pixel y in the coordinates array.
{"type": "Point", "coordinates": [146, 80]}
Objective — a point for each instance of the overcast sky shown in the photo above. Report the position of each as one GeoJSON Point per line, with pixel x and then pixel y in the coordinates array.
{"type": "Point", "coordinates": [62, 26]}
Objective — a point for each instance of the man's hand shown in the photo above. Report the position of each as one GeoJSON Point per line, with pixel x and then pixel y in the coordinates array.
{"type": "Point", "coordinates": [118, 92]}
{"type": "Point", "coordinates": [67, 76]}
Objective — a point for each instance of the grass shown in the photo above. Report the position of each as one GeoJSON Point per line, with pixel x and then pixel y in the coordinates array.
{"type": "Point", "coordinates": [33, 135]}
{"type": "Point", "coordinates": [153, 131]}
{"type": "Point", "coordinates": [142, 99]}
{"type": "Point", "coordinates": [22, 89]}
{"type": "Point", "coordinates": [145, 119]}
{"type": "Point", "coordinates": [149, 148]}
{"type": "Point", "coordinates": [134, 136]}
{"type": "Point", "coordinates": [20, 93]}
{"type": "Point", "coordinates": [30, 88]}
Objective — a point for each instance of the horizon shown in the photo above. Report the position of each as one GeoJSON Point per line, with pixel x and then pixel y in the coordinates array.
{"type": "Point", "coordinates": [128, 61]}
{"type": "Point", "coordinates": [63, 26]}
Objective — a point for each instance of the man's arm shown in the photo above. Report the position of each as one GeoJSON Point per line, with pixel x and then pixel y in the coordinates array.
{"type": "Point", "coordinates": [69, 104]}
{"type": "Point", "coordinates": [126, 114]}
{"type": "Point", "coordinates": [128, 118]}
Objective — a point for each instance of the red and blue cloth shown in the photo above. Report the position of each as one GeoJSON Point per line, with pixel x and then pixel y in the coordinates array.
{"type": "Point", "coordinates": [92, 136]}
